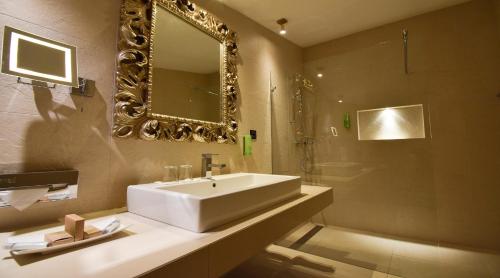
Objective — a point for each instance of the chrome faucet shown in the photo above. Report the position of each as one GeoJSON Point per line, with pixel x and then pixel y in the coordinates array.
{"type": "Point", "coordinates": [206, 165]}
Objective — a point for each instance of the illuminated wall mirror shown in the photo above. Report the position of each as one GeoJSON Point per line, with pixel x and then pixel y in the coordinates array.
{"type": "Point", "coordinates": [391, 123]}
{"type": "Point", "coordinates": [37, 58]}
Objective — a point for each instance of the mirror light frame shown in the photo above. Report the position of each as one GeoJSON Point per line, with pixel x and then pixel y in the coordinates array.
{"type": "Point", "coordinates": [10, 58]}
{"type": "Point", "coordinates": [132, 114]}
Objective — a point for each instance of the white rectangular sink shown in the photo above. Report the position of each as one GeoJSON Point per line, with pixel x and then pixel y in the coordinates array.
{"type": "Point", "coordinates": [201, 204]}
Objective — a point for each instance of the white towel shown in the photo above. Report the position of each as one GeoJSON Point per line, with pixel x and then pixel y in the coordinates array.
{"type": "Point", "coordinates": [26, 242]}
{"type": "Point", "coordinates": [37, 241]}
{"type": "Point", "coordinates": [107, 225]}
{"type": "Point", "coordinates": [58, 195]}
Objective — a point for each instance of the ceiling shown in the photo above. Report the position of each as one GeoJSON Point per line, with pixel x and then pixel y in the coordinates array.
{"type": "Point", "coordinates": [315, 21]}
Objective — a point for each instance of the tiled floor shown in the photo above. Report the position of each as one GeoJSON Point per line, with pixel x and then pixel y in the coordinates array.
{"type": "Point", "coordinates": [361, 254]}
{"type": "Point", "coordinates": [281, 262]}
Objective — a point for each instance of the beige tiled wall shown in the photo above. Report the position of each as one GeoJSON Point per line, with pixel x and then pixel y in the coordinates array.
{"type": "Point", "coordinates": [45, 130]}
{"type": "Point", "coordinates": [445, 187]}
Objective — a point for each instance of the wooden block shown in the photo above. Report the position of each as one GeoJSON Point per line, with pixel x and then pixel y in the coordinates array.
{"type": "Point", "coordinates": [74, 225]}
{"type": "Point", "coordinates": [58, 238]}
{"type": "Point", "coordinates": [91, 231]}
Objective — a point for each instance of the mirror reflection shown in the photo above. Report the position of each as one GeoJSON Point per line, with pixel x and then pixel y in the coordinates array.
{"type": "Point", "coordinates": [186, 70]}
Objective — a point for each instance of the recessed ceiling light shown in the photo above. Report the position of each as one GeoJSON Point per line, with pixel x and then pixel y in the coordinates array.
{"type": "Point", "coordinates": [340, 101]}
{"type": "Point", "coordinates": [319, 75]}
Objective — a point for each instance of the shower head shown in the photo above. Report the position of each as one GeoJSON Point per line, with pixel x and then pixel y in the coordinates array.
{"type": "Point", "coordinates": [405, 48]}
{"type": "Point", "coordinates": [272, 88]}
{"type": "Point", "coordinates": [405, 34]}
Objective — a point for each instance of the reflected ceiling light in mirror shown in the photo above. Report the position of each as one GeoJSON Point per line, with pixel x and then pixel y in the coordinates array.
{"type": "Point", "coordinates": [319, 72]}
{"type": "Point", "coordinates": [282, 22]}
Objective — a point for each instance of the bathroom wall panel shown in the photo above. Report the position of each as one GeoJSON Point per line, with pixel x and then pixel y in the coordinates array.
{"type": "Point", "coordinates": [443, 188]}
{"type": "Point", "coordinates": [47, 130]}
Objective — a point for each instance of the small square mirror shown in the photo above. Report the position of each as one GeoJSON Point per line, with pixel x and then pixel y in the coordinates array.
{"type": "Point", "coordinates": [34, 57]}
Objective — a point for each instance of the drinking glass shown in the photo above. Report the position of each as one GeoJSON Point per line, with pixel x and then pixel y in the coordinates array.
{"type": "Point", "coordinates": [170, 173]}
{"type": "Point", "coordinates": [185, 172]}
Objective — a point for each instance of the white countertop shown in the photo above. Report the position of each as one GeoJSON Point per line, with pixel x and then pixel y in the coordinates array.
{"type": "Point", "coordinates": [144, 246]}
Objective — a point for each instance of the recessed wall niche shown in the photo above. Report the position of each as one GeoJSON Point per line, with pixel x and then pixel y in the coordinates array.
{"type": "Point", "coordinates": [391, 123]}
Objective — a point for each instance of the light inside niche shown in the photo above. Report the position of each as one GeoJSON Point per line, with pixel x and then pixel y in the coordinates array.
{"type": "Point", "coordinates": [391, 123]}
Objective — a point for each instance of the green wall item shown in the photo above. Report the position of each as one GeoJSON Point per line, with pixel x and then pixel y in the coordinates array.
{"type": "Point", "coordinates": [347, 120]}
{"type": "Point", "coordinates": [247, 145]}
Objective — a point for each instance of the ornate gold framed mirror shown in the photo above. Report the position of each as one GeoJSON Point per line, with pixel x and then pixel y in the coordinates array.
{"type": "Point", "coordinates": [176, 74]}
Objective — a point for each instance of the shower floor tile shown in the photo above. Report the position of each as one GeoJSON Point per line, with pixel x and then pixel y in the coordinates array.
{"type": "Point", "coordinates": [396, 257]}
{"type": "Point", "coordinates": [362, 250]}
{"type": "Point", "coordinates": [282, 262]}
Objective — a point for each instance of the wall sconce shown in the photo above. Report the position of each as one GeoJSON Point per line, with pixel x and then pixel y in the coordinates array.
{"type": "Point", "coordinates": [282, 22]}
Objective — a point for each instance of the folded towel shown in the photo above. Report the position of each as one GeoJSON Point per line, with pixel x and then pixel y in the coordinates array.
{"type": "Point", "coordinates": [28, 246]}
{"type": "Point", "coordinates": [58, 195]}
{"type": "Point", "coordinates": [37, 241]}
{"type": "Point", "coordinates": [107, 225]}
{"type": "Point", "coordinates": [26, 242]}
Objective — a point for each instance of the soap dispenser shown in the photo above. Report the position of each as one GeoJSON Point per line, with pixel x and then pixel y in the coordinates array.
{"type": "Point", "coordinates": [247, 145]}
{"type": "Point", "coordinates": [347, 120]}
